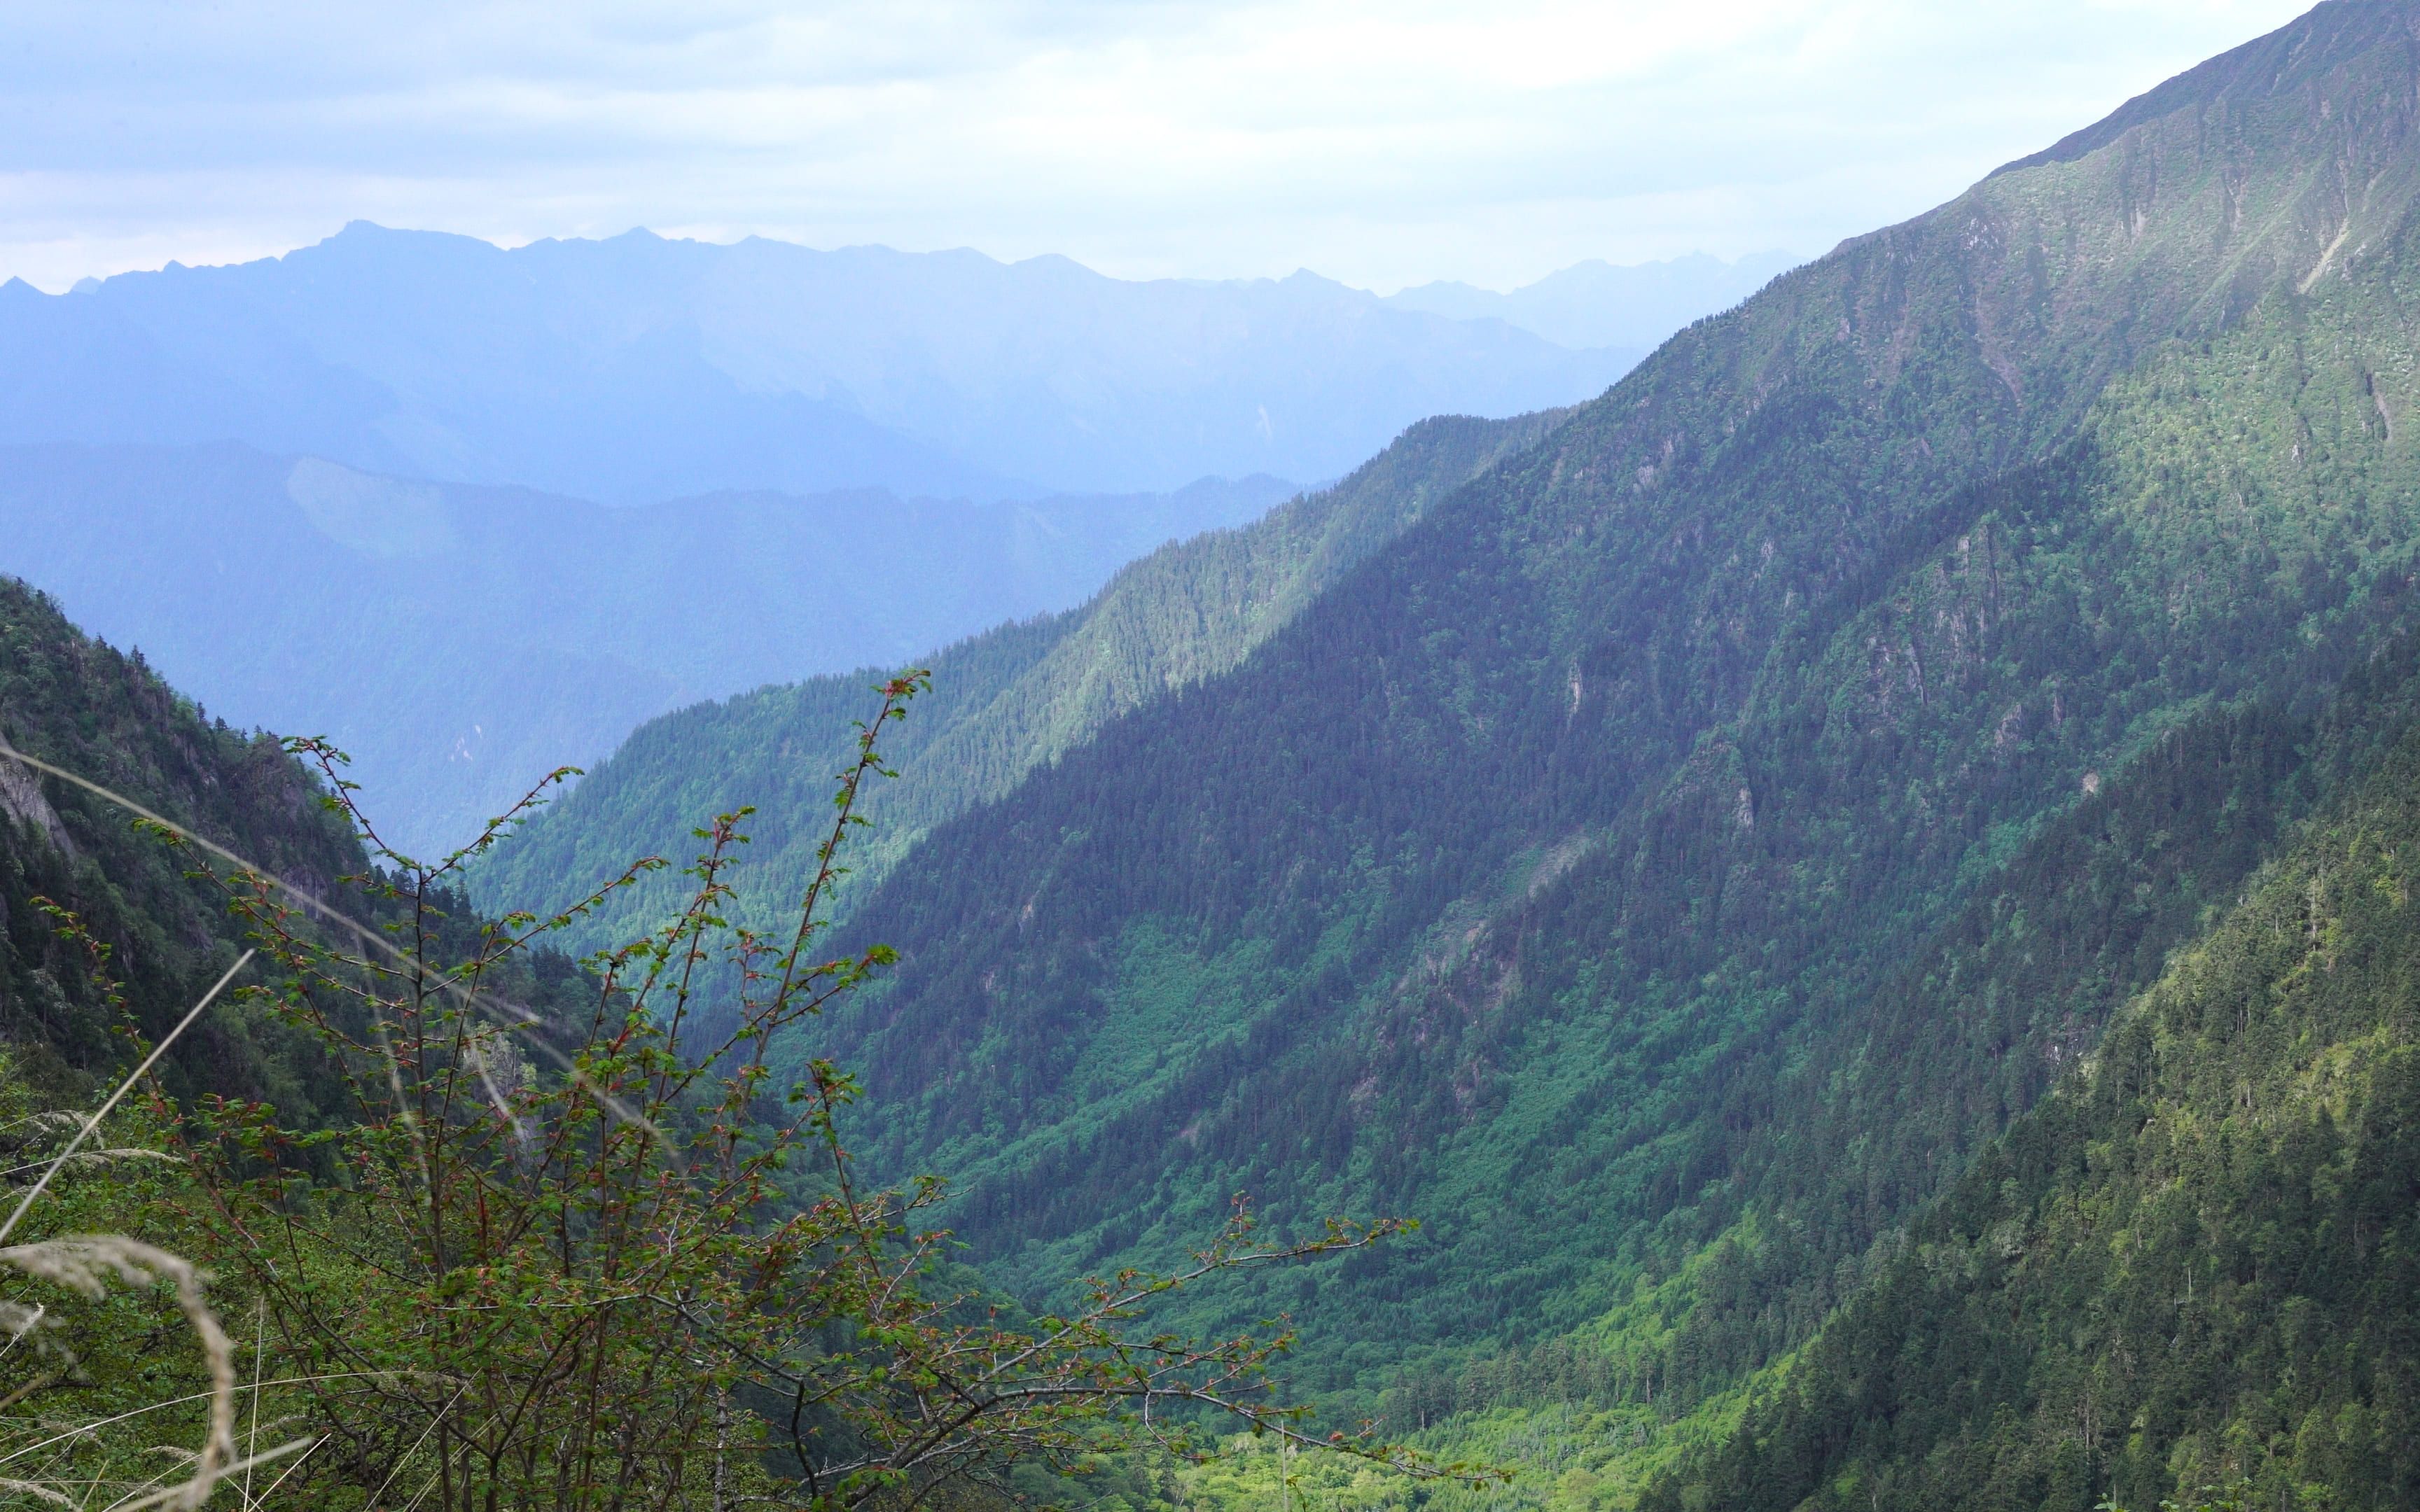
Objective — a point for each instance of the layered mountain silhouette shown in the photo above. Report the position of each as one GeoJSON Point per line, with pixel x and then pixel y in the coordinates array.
{"type": "Point", "coordinates": [1597, 303]}
{"type": "Point", "coordinates": [459, 641]}
{"type": "Point", "coordinates": [843, 457]}
{"type": "Point", "coordinates": [1860, 884]}
{"type": "Point", "coordinates": [1004, 703]}
{"type": "Point", "coordinates": [638, 369]}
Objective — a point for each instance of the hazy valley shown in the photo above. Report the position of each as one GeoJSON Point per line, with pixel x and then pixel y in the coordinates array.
{"type": "Point", "coordinates": [1853, 872]}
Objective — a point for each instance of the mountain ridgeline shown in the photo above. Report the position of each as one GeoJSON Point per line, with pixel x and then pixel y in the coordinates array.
{"type": "Point", "coordinates": [1597, 304]}
{"type": "Point", "coordinates": [460, 641]}
{"type": "Point", "coordinates": [1859, 885]}
{"type": "Point", "coordinates": [638, 369]}
{"type": "Point", "coordinates": [1675, 863]}
{"type": "Point", "coordinates": [1003, 703]}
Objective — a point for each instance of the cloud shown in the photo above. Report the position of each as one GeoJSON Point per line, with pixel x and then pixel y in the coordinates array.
{"type": "Point", "coordinates": [1381, 142]}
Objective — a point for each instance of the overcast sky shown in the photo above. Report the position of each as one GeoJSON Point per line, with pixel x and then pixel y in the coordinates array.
{"type": "Point", "coordinates": [1383, 143]}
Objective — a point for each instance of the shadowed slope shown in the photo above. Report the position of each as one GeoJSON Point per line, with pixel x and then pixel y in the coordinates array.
{"type": "Point", "coordinates": [2191, 1272]}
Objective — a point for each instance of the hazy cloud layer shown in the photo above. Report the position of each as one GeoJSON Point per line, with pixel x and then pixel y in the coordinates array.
{"type": "Point", "coordinates": [1381, 142]}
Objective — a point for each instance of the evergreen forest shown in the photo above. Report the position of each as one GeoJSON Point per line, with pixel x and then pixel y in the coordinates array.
{"type": "Point", "coordinates": [1833, 928]}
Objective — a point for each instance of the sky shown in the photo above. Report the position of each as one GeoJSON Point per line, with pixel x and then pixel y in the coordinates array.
{"type": "Point", "coordinates": [1381, 142]}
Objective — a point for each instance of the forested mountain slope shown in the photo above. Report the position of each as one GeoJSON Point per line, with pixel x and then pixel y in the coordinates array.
{"type": "Point", "coordinates": [73, 701]}
{"type": "Point", "coordinates": [1002, 703]}
{"type": "Point", "coordinates": [2194, 1270]}
{"type": "Point", "coordinates": [461, 641]}
{"type": "Point", "coordinates": [1517, 880]}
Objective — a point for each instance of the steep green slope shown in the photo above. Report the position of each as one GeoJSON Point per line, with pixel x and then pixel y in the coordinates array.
{"type": "Point", "coordinates": [1520, 881]}
{"type": "Point", "coordinates": [1884, 1108]}
{"type": "Point", "coordinates": [76, 703]}
{"type": "Point", "coordinates": [2194, 1269]}
{"type": "Point", "coordinates": [1002, 703]}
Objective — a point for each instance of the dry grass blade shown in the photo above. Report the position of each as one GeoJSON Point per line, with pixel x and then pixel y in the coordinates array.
{"type": "Point", "coordinates": [37, 1491]}
{"type": "Point", "coordinates": [87, 1264]}
{"type": "Point", "coordinates": [168, 1498]}
{"type": "Point", "coordinates": [272, 1490]}
{"type": "Point", "coordinates": [132, 1081]}
{"type": "Point", "coordinates": [252, 1433]}
{"type": "Point", "coordinates": [91, 1157]}
{"type": "Point", "coordinates": [442, 1414]}
{"type": "Point", "coordinates": [47, 1118]}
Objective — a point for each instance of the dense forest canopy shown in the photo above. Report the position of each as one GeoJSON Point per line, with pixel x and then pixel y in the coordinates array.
{"type": "Point", "coordinates": [1857, 886]}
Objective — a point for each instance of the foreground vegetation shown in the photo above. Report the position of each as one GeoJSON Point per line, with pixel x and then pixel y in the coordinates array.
{"type": "Point", "coordinates": [1858, 884]}
{"type": "Point", "coordinates": [550, 1234]}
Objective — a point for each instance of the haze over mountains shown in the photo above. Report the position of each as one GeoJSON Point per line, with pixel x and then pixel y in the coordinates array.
{"type": "Point", "coordinates": [459, 641]}
{"type": "Point", "coordinates": [790, 418]}
{"type": "Point", "coordinates": [640, 369]}
{"type": "Point", "coordinates": [1003, 703]}
{"type": "Point", "coordinates": [1598, 304]}
{"type": "Point", "coordinates": [1860, 883]}
{"type": "Point", "coordinates": [1676, 861]}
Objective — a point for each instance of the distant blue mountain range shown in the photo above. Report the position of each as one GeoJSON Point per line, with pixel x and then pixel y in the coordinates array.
{"type": "Point", "coordinates": [1598, 304]}
{"type": "Point", "coordinates": [347, 491]}
{"type": "Point", "coordinates": [640, 369]}
{"type": "Point", "coordinates": [459, 639]}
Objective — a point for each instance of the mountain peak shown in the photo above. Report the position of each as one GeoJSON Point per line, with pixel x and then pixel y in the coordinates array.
{"type": "Point", "coordinates": [2299, 58]}
{"type": "Point", "coordinates": [358, 236]}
